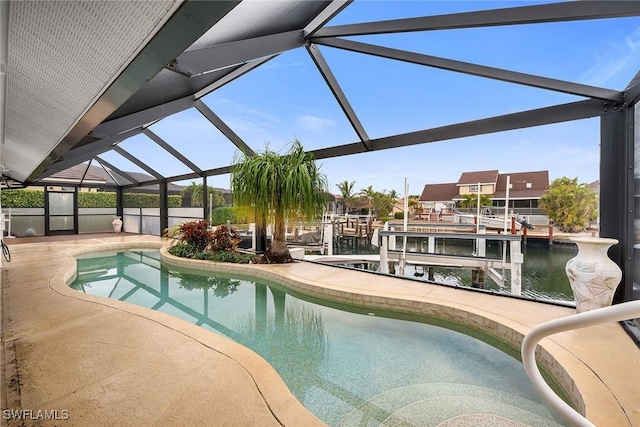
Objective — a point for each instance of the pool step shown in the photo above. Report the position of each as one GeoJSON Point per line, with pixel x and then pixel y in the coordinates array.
{"type": "Point", "coordinates": [448, 405]}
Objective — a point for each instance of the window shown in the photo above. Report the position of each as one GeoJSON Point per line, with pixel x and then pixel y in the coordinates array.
{"type": "Point", "coordinates": [474, 188]}
{"type": "Point", "coordinates": [528, 185]}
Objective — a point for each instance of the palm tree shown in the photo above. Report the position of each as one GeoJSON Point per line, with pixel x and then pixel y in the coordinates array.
{"type": "Point", "coordinates": [195, 194]}
{"type": "Point", "coordinates": [273, 188]}
{"type": "Point", "coordinates": [346, 190]}
{"type": "Point", "coordinates": [413, 203]}
{"type": "Point", "coordinates": [368, 193]}
{"type": "Point", "coordinates": [471, 200]}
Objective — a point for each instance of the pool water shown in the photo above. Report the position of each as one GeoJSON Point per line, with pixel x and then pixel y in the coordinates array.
{"type": "Point", "coordinates": [347, 365]}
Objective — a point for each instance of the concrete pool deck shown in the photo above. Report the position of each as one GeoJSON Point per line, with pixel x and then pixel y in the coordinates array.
{"type": "Point", "coordinates": [104, 362]}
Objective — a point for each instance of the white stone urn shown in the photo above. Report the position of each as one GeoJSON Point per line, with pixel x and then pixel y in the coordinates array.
{"type": "Point", "coordinates": [117, 224]}
{"type": "Point", "coordinates": [593, 276]}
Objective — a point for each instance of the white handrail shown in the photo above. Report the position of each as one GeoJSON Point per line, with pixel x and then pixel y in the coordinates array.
{"type": "Point", "coordinates": [615, 313]}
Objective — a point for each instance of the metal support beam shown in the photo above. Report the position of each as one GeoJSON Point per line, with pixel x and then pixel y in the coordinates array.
{"type": "Point", "coordinates": [86, 152]}
{"type": "Point", "coordinates": [222, 126]}
{"type": "Point", "coordinates": [119, 203]}
{"type": "Point", "coordinates": [556, 12]}
{"type": "Point", "coordinates": [187, 24]}
{"type": "Point", "coordinates": [475, 70]}
{"type": "Point", "coordinates": [133, 159]}
{"type": "Point", "coordinates": [334, 8]}
{"type": "Point", "coordinates": [210, 172]}
{"type": "Point", "coordinates": [225, 55]}
{"type": "Point", "coordinates": [205, 197]}
{"type": "Point", "coordinates": [118, 171]}
{"type": "Point", "coordinates": [543, 116]}
{"type": "Point", "coordinates": [539, 117]}
{"type": "Point", "coordinates": [85, 171]}
{"type": "Point", "coordinates": [164, 206]}
{"type": "Point", "coordinates": [331, 81]}
{"type": "Point", "coordinates": [175, 153]}
{"type": "Point", "coordinates": [632, 91]}
{"type": "Point", "coordinates": [141, 118]}
{"type": "Point", "coordinates": [240, 71]}
{"type": "Point", "coordinates": [108, 172]}
{"type": "Point", "coordinates": [616, 193]}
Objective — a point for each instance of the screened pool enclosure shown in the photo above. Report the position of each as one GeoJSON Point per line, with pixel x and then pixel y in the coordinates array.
{"type": "Point", "coordinates": [99, 100]}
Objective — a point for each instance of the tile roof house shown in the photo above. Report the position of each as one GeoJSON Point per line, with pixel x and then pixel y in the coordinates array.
{"type": "Point", "coordinates": [524, 185]}
{"type": "Point", "coordinates": [524, 190]}
{"type": "Point", "coordinates": [481, 177]}
{"type": "Point", "coordinates": [443, 193]}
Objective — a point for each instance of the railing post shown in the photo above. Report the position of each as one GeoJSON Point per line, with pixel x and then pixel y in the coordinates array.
{"type": "Point", "coordinates": [328, 238]}
{"type": "Point", "coordinates": [481, 244]}
{"type": "Point", "coordinates": [392, 239]}
{"type": "Point", "coordinates": [252, 230]}
{"type": "Point", "coordinates": [384, 258]}
{"type": "Point", "coordinates": [517, 258]}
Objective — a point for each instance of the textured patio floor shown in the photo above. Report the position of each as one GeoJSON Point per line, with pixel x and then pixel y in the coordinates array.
{"type": "Point", "coordinates": [104, 362]}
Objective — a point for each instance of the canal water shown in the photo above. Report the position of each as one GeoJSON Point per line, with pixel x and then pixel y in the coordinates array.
{"type": "Point", "coordinates": [543, 275]}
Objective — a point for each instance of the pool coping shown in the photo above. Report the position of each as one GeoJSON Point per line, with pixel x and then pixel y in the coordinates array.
{"type": "Point", "coordinates": [568, 355]}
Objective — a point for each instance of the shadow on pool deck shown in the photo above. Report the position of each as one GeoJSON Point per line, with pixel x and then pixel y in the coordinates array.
{"type": "Point", "coordinates": [104, 362]}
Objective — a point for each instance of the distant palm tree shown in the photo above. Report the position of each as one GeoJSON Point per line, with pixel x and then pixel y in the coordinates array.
{"type": "Point", "coordinates": [394, 195]}
{"type": "Point", "coordinates": [471, 200]}
{"type": "Point", "coordinates": [194, 191]}
{"type": "Point", "coordinates": [346, 190]}
{"type": "Point", "coordinates": [413, 203]}
{"type": "Point", "coordinates": [273, 188]}
{"type": "Point", "coordinates": [195, 194]}
{"type": "Point", "coordinates": [368, 193]}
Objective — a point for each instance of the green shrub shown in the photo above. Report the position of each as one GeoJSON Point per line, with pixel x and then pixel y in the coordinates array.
{"type": "Point", "coordinates": [225, 239]}
{"type": "Point", "coordinates": [384, 219]}
{"type": "Point", "coordinates": [186, 250]}
{"type": "Point", "coordinates": [398, 215]}
{"type": "Point", "coordinates": [35, 199]}
{"type": "Point", "coordinates": [196, 233]}
{"type": "Point", "coordinates": [226, 213]}
{"type": "Point", "coordinates": [233, 257]}
{"type": "Point", "coordinates": [149, 200]}
{"type": "Point", "coordinates": [22, 199]}
{"type": "Point", "coordinates": [96, 200]}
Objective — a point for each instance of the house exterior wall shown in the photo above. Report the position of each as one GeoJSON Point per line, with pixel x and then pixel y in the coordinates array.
{"type": "Point", "coordinates": [488, 189]}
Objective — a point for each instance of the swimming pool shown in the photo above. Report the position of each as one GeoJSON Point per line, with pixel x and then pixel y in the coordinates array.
{"type": "Point", "coordinates": [347, 365]}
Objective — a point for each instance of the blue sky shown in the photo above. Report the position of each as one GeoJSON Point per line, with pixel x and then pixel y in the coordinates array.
{"type": "Point", "coordinates": [287, 98]}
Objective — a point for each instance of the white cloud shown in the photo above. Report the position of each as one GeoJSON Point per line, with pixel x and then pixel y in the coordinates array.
{"type": "Point", "coordinates": [618, 58]}
{"type": "Point", "coordinates": [314, 123]}
{"type": "Point", "coordinates": [230, 108]}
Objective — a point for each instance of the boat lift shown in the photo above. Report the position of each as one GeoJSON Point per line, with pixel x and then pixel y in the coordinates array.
{"type": "Point", "coordinates": [493, 267]}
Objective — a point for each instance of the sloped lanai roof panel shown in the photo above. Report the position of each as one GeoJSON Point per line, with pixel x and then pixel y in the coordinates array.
{"type": "Point", "coordinates": [217, 53]}
{"type": "Point", "coordinates": [246, 37]}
